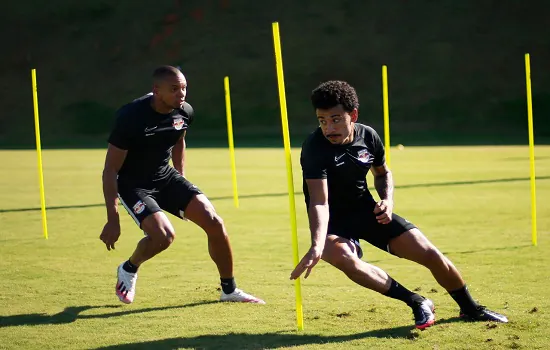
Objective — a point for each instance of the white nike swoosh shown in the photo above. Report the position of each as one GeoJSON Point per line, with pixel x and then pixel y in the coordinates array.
{"type": "Point", "coordinates": [150, 129]}
{"type": "Point", "coordinates": [337, 158]}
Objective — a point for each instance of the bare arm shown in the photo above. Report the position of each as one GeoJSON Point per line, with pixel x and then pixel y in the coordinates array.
{"type": "Point", "coordinates": [318, 224]}
{"type": "Point", "coordinates": [113, 162]}
{"type": "Point", "coordinates": [318, 212]}
{"type": "Point", "coordinates": [383, 182]}
{"type": "Point", "coordinates": [178, 155]}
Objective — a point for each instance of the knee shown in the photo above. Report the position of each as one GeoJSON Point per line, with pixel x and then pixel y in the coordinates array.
{"type": "Point", "coordinates": [217, 221]}
{"type": "Point", "coordinates": [169, 237]}
{"type": "Point", "coordinates": [159, 230]}
{"type": "Point", "coordinates": [215, 224]}
{"type": "Point", "coordinates": [342, 260]}
{"type": "Point", "coordinates": [433, 257]}
{"type": "Point", "coordinates": [165, 238]}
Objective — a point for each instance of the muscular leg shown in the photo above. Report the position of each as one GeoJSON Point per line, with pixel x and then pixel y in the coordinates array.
{"type": "Point", "coordinates": [414, 246]}
{"type": "Point", "coordinates": [160, 235]}
{"type": "Point", "coordinates": [342, 254]}
{"type": "Point", "coordinates": [202, 212]}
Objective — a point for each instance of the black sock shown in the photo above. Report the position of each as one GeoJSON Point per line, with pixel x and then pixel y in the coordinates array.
{"type": "Point", "coordinates": [463, 299]}
{"type": "Point", "coordinates": [129, 267]}
{"type": "Point", "coordinates": [228, 285]}
{"type": "Point", "coordinates": [399, 292]}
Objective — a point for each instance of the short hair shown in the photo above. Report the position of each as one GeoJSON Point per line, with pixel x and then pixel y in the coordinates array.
{"type": "Point", "coordinates": [164, 72]}
{"type": "Point", "coordinates": [333, 93]}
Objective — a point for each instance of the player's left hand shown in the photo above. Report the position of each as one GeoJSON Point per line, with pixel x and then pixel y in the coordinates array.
{"type": "Point", "coordinates": [383, 211]}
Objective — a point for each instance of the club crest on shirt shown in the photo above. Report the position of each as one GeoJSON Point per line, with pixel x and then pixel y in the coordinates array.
{"type": "Point", "coordinates": [363, 156]}
{"type": "Point", "coordinates": [178, 123]}
{"type": "Point", "coordinates": [139, 207]}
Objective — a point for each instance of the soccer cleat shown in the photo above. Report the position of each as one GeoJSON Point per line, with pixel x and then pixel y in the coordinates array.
{"type": "Point", "coordinates": [424, 314]}
{"type": "Point", "coordinates": [481, 313]}
{"type": "Point", "coordinates": [126, 285]}
{"type": "Point", "coordinates": [240, 296]}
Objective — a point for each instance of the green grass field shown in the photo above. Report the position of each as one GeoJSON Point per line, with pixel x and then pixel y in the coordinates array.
{"type": "Point", "coordinates": [472, 202]}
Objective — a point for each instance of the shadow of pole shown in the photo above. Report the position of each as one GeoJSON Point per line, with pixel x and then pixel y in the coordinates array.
{"type": "Point", "coordinates": [265, 195]}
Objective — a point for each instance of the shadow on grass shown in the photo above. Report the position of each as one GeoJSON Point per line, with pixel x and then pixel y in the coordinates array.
{"type": "Point", "coordinates": [451, 253]}
{"type": "Point", "coordinates": [526, 158]}
{"type": "Point", "coordinates": [265, 195]}
{"type": "Point", "coordinates": [484, 250]}
{"type": "Point", "coordinates": [72, 313]}
{"type": "Point", "coordinates": [269, 340]}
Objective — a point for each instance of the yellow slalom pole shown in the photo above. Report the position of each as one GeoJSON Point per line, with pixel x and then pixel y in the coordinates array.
{"type": "Point", "coordinates": [290, 178]}
{"type": "Point", "coordinates": [531, 150]}
{"type": "Point", "coordinates": [39, 153]}
{"type": "Point", "coordinates": [386, 113]}
{"type": "Point", "coordinates": [230, 138]}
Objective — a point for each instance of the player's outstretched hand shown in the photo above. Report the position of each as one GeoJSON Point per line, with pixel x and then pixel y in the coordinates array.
{"type": "Point", "coordinates": [309, 260]}
{"type": "Point", "coordinates": [383, 211]}
{"type": "Point", "coordinates": [110, 233]}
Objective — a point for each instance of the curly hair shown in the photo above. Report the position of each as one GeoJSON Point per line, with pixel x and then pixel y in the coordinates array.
{"type": "Point", "coordinates": [335, 92]}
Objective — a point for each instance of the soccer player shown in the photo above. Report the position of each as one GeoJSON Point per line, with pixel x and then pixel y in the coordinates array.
{"type": "Point", "coordinates": [335, 160]}
{"type": "Point", "coordinates": [148, 132]}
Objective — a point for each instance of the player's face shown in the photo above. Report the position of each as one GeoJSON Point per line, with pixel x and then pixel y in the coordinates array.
{"type": "Point", "coordinates": [337, 124]}
{"type": "Point", "coordinates": [172, 91]}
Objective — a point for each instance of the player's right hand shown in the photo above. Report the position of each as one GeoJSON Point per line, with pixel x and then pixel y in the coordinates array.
{"type": "Point", "coordinates": [110, 233]}
{"type": "Point", "coordinates": [309, 260]}
{"type": "Point", "coordinates": [383, 211]}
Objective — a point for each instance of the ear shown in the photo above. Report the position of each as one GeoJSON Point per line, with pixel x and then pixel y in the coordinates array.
{"type": "Point", "coordinates": [354, 115]}
{"type": "Point", "coordinates": [155, 89]}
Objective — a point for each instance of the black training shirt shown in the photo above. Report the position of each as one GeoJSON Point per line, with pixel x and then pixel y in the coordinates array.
{"type": "Point", "coordinates": [344, 166]}
{"type": "Point", "coordinates": [149, 137]}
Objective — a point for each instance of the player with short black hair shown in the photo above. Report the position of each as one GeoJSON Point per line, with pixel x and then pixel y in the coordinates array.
{"type": "Point", "coordinates": [335, 160]}
{"type": "Point", "coordinates": [148, 132]}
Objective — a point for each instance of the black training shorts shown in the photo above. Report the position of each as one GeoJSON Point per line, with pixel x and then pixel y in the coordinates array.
{"type": "Point", "coordinates": [361, 224]}
{"type": "Point", "coordinates": [171, 194]}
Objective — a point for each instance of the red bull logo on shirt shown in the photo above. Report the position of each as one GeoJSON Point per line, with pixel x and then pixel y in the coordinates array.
{"type": "Point", "coordinates": [363, 155]}
{"type": "Point", "coordinates": [178, 123]}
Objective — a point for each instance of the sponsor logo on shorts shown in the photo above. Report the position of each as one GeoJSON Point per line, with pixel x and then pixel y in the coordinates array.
{"type": "Point", "coordinates": [363, 156]}
{"type": "Point", "coordinates": [178, 123]}
{"type": "Point", "coordinates": [139, 207]}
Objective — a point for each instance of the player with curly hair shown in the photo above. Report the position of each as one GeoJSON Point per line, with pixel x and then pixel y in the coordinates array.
{"type": "Point", "coordinates": [335, 160]}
